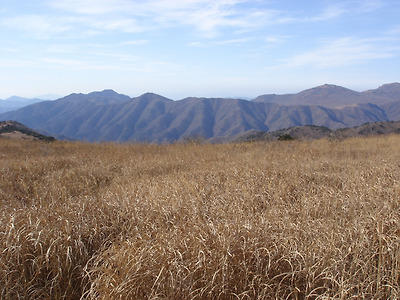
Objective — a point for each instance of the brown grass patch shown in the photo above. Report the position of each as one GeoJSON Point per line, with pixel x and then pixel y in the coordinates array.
{"type": "Point", "coordinates": [295, 220]}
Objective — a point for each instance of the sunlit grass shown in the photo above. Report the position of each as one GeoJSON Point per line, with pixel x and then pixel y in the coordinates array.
{"type": "Point", "coordinates": [296, 220]}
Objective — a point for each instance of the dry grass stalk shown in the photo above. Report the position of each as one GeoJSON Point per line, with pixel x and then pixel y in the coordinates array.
{"type": "Point", "coordinates": [294, 220]}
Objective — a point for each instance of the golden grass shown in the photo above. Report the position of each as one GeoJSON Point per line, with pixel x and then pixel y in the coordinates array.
{"type": "Point", "coordinates": [279, 220]}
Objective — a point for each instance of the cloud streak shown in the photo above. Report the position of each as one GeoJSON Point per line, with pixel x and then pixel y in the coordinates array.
{"type": "Point", "coordinates": [91, 17]}
{"type": "Point", "coordinates": [80, 18]}
{"type": "Point", "coordinates": [199, 42]}
{"type": "Point", "coordinates": [41, 26]}
{"type": "Point", "coordinates": [343, 52]}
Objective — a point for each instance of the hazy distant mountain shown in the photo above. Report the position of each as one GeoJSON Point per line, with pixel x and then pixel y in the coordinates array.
{"type": "Point", "coordinates": [390, 91]}
{"type": "Point", "coordinates": [109, 116]}
{"type": "Point", "coordinates": [333, 96]}
{"type": "Point", "coordinates": [15, 102]}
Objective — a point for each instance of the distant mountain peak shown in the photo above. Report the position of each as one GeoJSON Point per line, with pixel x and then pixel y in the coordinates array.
{"type": "Point", "coordinates": [152, 97]}
{"type": "Point", "coordinates": [326, 93]}
{"type": "Point", "coordinates": [393, 84]}
{"type": "Point", "coordinates": [106, 93]}
{"type": "Point", "coordinates": [102, 97]}
{"type": "Point", "coordinates": [389, 90]}
{"type": "Point", "coordinates": [109, 116]}
{"type": "Point", "coordinates": [150, 94]}
{"type": "Point", "coordinates": [329, 86]}
{"type": "Point", "coordinates": [15, 98]}
{"type": "Point", "coordinates": [21, 99]}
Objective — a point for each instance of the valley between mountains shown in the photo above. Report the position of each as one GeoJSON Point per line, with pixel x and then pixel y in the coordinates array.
{"type": "Point", "coordinates": [109, 116]}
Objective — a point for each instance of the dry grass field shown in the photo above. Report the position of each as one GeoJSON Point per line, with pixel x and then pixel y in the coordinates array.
{"type": "Point", "coordinates": [279, 220]}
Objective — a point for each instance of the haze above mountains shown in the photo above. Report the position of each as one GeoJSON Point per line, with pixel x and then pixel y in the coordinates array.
{"type": "Point", "coordinates": [16, 102]}
{"type": "Point", "coordinates": [109, 116]}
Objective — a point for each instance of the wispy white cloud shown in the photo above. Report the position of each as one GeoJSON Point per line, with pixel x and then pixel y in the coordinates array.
{"type": "Point", "coordinates": [73, 48]}
{"type": "Point", "coordinates": [17, 63]}
{"type": "Point", "coordinates": [80, 18]}
{"type": "Point", "coordinates": [134, 43]}
{"type": "Point", "coordinates": [155, 66]}
{"type": "Point", "coordinates": [370, 5]}
{"type": "Point", "coordinates": [90, 56]}
{"type": "Point", "coordinates": [393, 31]}
{"type": "Point", "coordinates": [7, 49]}
{"type": "Point", "coordinates": [207, 17]}
{"type": "Point", "coordinates": [46, 27]}
{"type": "Point", "coordinates": [343, 52]}
{"type": "Point", "coordinates": [93, 7]}
{"type": "Point", "coordinates": [339, 9]}
{"type": "Point", "coordinates": [196, 44]}
{"type": "Point", "coordinates": [234, 41]}
{"type": "Point", "coordinates": [76, 64]}
{"type": "Point", "coordinates": [274, 39]}
{"type": "Point", "coordinates": [132, 38]}
{"type": "Point", "coordinates": [126, 63]}
{"type": "Point", "coordinates": [269, 40]}
{"type": "Point", "coordinates": [41, 26]}
{"type": "Point", "coordinates": [119, 24]}
{"type": "Point", "coordinates": [331, 12]}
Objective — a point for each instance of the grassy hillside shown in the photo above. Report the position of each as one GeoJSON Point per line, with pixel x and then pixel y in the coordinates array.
{"type": "Point", "coordinates": [298, 220]}
{"type": "Point", "coordinates": [15, 130]}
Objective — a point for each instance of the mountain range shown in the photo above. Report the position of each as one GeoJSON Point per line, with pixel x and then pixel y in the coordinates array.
{"type": "Point", "coordinates": [109, 116]}
{"type": "Point", "coordinates": [310, 132]}
{"type": "Point", "coordinates": [15, 102]}
{"type": "Point", "coordinates": [332, 96]}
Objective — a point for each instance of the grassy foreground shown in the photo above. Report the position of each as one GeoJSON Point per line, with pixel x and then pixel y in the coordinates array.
{"type": "Point", "coordinates": [279, 220]}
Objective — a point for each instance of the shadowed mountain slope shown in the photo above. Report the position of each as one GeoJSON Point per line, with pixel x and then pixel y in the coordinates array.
{"type": "Point", "coordinates": [310, 132]}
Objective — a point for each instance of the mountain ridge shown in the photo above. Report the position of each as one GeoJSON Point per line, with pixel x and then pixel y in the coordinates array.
{"type": "Point", "coordinates": [310, 132]}
{"type": "Point", "coordinates": [16, 102]}
{"type": "Point", "coordinates": [109, 116]}
{"type": "Point", "coordinates": [16, 130]}
{"type": "Point", "coordinates": [334, 96]}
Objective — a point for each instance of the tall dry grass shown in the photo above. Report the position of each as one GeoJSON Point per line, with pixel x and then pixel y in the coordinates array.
{"type": "Point", "coordinates": [279, 220]}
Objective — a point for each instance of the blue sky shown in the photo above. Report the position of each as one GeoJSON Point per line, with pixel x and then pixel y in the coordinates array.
{"type": "Point", "coordinates": [180, 48]}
